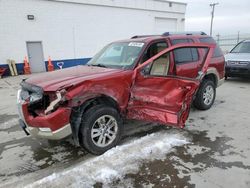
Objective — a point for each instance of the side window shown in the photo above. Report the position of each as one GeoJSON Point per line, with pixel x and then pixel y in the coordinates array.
{"type": "Point", "coordinates": [160, 66]}
{"type": "Point", "coordinates": [185, 55]}
{"type": "Point", "coordinates": [217, 50]}
{"type": "Point", "coordinates": [154, 49]}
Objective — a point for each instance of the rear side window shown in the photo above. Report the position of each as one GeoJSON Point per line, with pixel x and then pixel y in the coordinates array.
{"type": "Point", "coordinates": [217, 50]}
{"type": "Point", "coordinates": [185, 55]}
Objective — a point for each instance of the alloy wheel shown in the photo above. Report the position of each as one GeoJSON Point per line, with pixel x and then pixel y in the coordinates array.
{"type": "Point", "coordinates": [104, 131]}
{"type": "Point", "coordinates": [208, 95]}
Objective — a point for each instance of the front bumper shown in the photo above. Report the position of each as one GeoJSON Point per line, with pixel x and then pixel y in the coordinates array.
{"type": "Point", "coordinates": [237, 71]}
{"type": "Point", "coordinates": [54, 126]}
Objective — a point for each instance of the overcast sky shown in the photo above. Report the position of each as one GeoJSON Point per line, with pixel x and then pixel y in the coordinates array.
{"type": "Point", "coordinates": [231, 16]}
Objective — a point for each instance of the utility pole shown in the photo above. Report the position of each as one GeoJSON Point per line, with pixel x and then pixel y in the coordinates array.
{"type": "Point", "coordinates": [238, 37]}
{"type": "Point", "coordinates": [218, 38]}
{"type": "Point", "coordinates": [212, 18]}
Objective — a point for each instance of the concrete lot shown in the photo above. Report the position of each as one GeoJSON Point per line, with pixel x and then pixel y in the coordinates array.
{"type": "Point", "coordinates": [218, 154]}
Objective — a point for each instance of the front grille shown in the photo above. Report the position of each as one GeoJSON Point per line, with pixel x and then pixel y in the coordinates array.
{"type": "Point", "coordinates": [238, 63]}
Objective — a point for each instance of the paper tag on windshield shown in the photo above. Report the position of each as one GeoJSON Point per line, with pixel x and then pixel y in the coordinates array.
{"type": "Point", "coordinates": [136, 44]}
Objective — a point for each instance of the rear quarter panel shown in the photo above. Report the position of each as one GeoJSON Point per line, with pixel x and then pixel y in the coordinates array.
{"type": "Point", "coordinates": [219, 64]}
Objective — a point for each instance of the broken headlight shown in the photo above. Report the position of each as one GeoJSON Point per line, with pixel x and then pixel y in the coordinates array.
{"type": "Point", "coordinates": [24, 95]}
{"type": "Point", "coordinates": [35, 97]}
{"type": "Point", "coordinates": [31, 92]}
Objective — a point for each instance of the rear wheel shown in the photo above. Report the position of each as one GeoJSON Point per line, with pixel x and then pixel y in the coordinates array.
{"type": "Point", "coordinates": [205, 96]}
{"type": "Point", "coordinates": [101, 129]}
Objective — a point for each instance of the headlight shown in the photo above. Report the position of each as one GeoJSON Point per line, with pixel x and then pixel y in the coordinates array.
{"type": "Point", "coordinates": [31, 98]}
{"type": "Point", "coordinates": [24, 95]}
{"type": "Point", "coordinates": [35, 97]}
{"type": "Point", "coordinates": [31, 88]}
{"type": "Point", "coordinates": [31, 92]}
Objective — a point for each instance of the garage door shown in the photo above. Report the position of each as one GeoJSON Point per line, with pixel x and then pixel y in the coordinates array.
{"type": "Point", "coordinates": [165, 24]}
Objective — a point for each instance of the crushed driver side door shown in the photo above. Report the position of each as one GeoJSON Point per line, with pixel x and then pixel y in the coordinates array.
{"type": "Point", "coordinates": [165, 99]}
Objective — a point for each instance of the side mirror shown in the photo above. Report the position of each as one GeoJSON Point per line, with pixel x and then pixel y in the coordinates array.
{"type": "Point", "coordinates": [146, 70]}
{"type": "Point", "coordinates": [200, 75]}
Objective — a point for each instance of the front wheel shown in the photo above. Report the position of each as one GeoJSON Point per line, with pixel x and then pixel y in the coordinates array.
{"type": "Point", "coordinates": [205, 96]}
{"type": "Point", "coordinates": [101, 129]}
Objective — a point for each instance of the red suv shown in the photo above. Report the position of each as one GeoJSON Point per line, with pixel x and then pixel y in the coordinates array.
{"type": "Point", "coordinates": [151, 78]}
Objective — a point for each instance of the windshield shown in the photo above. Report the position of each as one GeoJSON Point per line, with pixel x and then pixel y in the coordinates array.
{"type": "Point", "coordinates": [243, 47]}
{"type": "Point", "coordinates": [118, 55]}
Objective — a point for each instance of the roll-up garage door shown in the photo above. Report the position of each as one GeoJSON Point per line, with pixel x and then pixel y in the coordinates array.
{"type": "Point", "coordinates": [165, 24]}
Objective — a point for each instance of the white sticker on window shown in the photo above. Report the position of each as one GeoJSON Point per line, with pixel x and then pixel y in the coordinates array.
{"type": "Point", "coordinates": [136, 44]}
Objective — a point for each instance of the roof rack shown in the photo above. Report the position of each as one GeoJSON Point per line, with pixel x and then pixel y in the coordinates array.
{"type": "Point", "coordinates": [171, 33]}
{"type": "Point", "coordinates": [143, 36]}
{"type": "Point", "coordinates": [184, 33]}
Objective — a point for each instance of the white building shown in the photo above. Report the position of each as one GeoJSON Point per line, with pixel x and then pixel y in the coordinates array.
{"type": "Point", "coordinates": [72, 31]}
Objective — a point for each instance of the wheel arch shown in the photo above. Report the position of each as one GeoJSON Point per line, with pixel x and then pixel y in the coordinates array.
{"type": "Point", "coordinates": [213, 75]}
{"type": "Point", "coordinates": [198, 100]}
{"type": "Point", "coordinates": [77, 111]}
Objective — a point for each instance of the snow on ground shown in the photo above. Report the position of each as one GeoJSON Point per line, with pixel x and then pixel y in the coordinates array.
{"type": "Point", "coordinates": [115, 163]}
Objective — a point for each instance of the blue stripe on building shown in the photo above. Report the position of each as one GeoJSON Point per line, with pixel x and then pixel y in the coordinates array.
{"type": "Point", "coordinates": [66, 63]}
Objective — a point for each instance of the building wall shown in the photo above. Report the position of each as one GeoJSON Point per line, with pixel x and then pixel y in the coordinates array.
{"type": "Point", "coordinates": [74, 30]}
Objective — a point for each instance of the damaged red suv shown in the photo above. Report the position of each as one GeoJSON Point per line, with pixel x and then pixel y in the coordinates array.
{"type": "Point", "coordinates": [150, 78]}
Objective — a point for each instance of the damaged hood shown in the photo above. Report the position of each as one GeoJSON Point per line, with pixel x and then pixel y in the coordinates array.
{"type": "Point", "coordinates": [59, 79]}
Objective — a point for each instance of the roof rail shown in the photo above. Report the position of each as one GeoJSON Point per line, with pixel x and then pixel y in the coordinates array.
{"type": "Point", "coordinates": [143, 36]}
{"type": "Point", "coordinates": [184, 33]}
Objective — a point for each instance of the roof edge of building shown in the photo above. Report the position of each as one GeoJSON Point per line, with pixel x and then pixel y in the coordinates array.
{"type": "Point", "coordinates": [120, 5]}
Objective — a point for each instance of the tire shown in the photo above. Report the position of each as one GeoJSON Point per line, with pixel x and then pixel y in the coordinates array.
{"type": "Point", "coordinates": [202, 102]}
{"type": "Point", "coordinates": [93, 124]}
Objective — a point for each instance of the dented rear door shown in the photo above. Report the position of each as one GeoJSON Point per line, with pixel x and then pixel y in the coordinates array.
{"type": "Point", "coordinates": [165, 98]}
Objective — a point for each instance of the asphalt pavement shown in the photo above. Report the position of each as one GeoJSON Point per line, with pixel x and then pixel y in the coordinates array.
{"type": "Point", "coordinates": [216, 152]}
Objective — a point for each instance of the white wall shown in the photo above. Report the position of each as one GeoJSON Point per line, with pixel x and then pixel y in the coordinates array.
{"type": "Point", "coordinates": [77, 30]}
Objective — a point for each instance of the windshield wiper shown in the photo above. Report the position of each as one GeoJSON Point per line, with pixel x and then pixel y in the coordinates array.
{"type": "Point", "coordinates": [98, 65]}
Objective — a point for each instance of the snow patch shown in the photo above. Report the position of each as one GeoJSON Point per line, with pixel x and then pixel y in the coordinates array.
{"type": "Point", "coordinates": [115, 163]}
